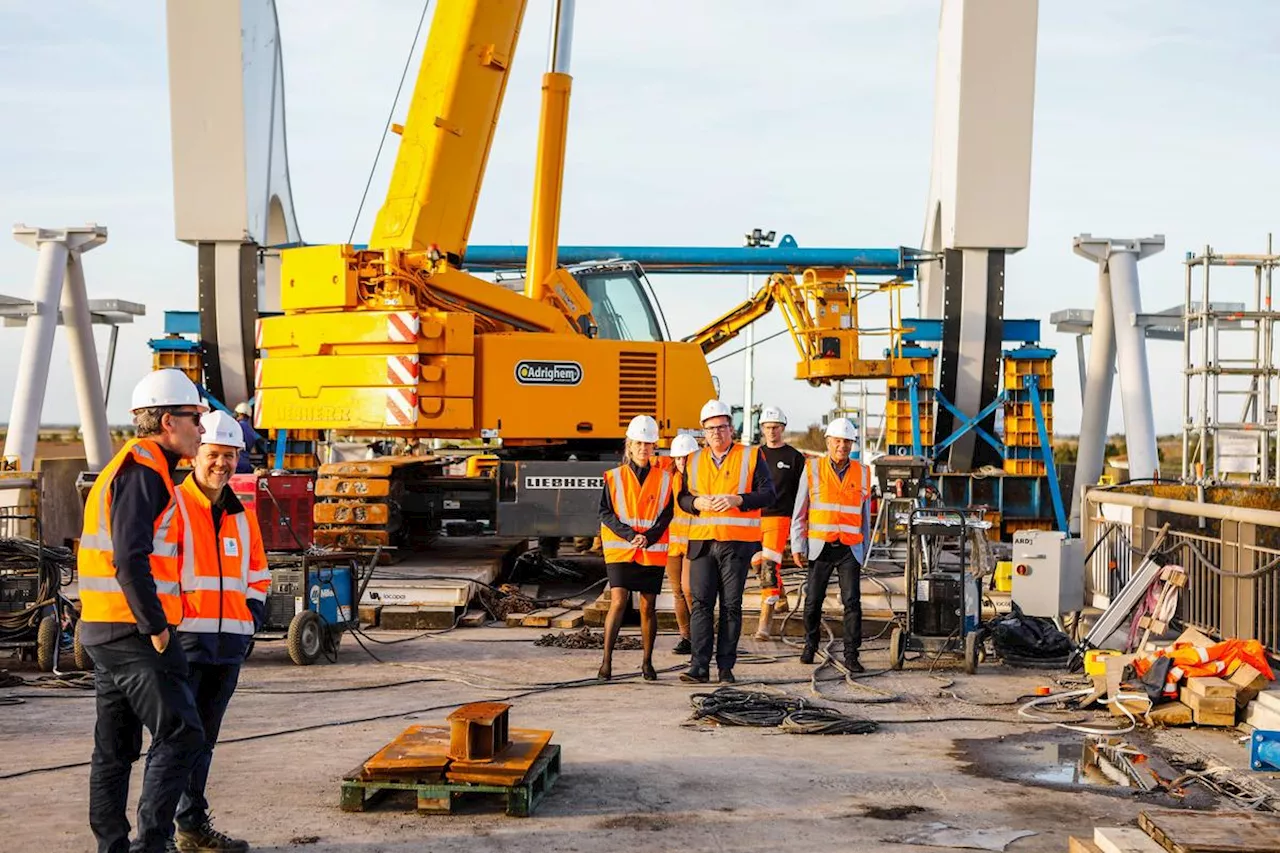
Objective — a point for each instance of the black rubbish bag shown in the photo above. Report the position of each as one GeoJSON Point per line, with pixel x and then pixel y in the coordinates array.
{"type": "Point", "coordinates": [1029, 640]}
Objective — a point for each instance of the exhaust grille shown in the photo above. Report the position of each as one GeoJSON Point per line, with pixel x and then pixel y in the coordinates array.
{"type": "Point", "coordinates": [637, 385]}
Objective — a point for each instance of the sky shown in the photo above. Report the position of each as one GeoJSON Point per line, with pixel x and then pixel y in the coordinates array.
{"type": "Point", "coordinates": [691, 123]}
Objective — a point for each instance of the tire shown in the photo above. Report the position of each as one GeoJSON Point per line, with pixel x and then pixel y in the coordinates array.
{"type": "Point", "coordinates": [897, 650]}
{"type": "Point", "coordinates": [84, 662]}
{"type": "Point", "coordinates": [48, 635]}
{"type": "Point", "coordinates": [306, 638]}
{"type": "Point", "coordinates": [971, 652]}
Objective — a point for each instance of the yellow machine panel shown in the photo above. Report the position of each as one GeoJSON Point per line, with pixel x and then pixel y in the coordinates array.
{"type": "Point", "coordinates": [367, 332]}
{"type": "Point", "coordinates": [318, 277]}
{"type": "Point", "coordinates": [547, 387]}
{"type": "Point", "coordinates": [432, 375]}
{"type": "Point", "coordinates": [366, 410]}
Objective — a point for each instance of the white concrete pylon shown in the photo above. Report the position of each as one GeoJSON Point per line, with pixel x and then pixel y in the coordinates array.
{"type": "Point", "coordinates": [1097, 382]}
{"type": "Point", "coordinates": [1117, 259]}
{"type": "Point", "coordinates": [59, 282]}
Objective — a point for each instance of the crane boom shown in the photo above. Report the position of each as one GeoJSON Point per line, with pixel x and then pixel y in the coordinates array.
{"type": "Point", "coordinates": [446, 138]}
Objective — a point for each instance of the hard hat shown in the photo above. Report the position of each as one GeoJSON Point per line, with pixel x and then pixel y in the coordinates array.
{"type": "Point", "coordinates": [715, 409]}
{"type": "Point", "coordinates": [168, 387]}
{"type": "Point", "coordinates": [773, 415]}
{"type": "Point", "coordinates": [683, 445]}
{"type": "Point", "coordinates": [842, 428]}
{"type": "Point", "coordinates": [220, 428]}
{"type": "Point", "coordinates": [643, 428]}
{"type": "Point", "coordinates": [244, 409]}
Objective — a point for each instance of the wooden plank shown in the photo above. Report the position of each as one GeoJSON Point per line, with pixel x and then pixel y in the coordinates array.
{"type": "Point", "coordinates": [370, 614]}
{"type": "Point", "coordinates": [1248, 683]}
{"type": "Point", "coordinates": [1081, 845]}
{"type": "Point", "coordinates": [507, 768]}
{"type": "Point", "coordinates": [1209, 718]}
{"type": "Point", "coordinates": [1171, 714]}
{"type": "Point", "coordinates": [419, 752]}
{"type": "Point", "coordinates": [1181, 831]}
{"type": "Point", "coordinates": [1124, 839]}
{"type": "Point", "coordinates": [515, 620]}
{"type": "Point", "coordinates": [1208, 704]}
{"type": "Point", "coordinates": [473, 618]}
{"type": "Point", "coordinates": [571, 619]}
{"type": "Point", "coordinates": [542, 618]}
{"type": "Point", "coordinates": [1211, 687]}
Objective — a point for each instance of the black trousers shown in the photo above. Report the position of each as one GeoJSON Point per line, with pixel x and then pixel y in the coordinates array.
{"type": "Point", "coordinates": [849, 574]}
{"type": "Point", "coordinates": [136, 688]}
{"type": "Point", "coordinates": [212, 685]}
{"type": "Point", "coordinates": [719, 571]}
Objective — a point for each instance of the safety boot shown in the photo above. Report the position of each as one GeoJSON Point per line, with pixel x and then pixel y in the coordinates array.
{"type": "Point", "coordinates": [852, 664]}
{"type": "Point", "coordinates": [766, 622]}
{"type": "Point", "coordinates": [206, 839]}
{"type": "Point", "coordinates": [806, 656]}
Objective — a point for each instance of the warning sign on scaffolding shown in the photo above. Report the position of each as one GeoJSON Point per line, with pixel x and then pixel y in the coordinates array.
{"type": "Point", "coordinates": [1237, 451]}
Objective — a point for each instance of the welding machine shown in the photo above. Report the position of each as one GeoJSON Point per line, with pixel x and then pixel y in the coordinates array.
{"type": "Point", "coordinates": [312, 601]}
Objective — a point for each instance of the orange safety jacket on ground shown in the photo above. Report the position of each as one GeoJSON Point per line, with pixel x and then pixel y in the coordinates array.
{"type": "Point", "coordinates": [638, 506]}
{"type": "Point", "coordinates": [733, 476]}
{"type": "Point", "coordinates": [224, 578]}
{"type": "Point", "coordinates": [101, 597]}
{"type": "Point", "coordinates": [835, 503]}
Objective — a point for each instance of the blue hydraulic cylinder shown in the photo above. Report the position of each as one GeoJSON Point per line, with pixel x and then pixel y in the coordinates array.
{"type": "Point", "coordinates": [1264, 750]}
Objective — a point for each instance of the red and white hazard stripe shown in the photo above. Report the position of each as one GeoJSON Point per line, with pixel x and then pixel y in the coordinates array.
{"type": "Point", "coordinates": [402, 407]}
{"type": "Point", "coordinates": [257, 373]}
{"type": "Point", "coordinates": [257, 334]}
{"type": "Point", "coordinates": [402, 327]}
{"type": "Point", "coordinates": [402, 369]}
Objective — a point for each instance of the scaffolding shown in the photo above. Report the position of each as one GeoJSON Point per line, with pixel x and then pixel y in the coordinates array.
{"type": "Point", "coordinates": [853, 400]}
{"type": "Point", "coordinates": [1229, 369]}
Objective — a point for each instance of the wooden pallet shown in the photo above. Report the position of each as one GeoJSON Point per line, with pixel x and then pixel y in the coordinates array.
{"type": "Point", "coordinates": [437, 797]}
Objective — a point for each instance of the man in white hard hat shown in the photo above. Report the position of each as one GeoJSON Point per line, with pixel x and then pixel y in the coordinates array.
{"type": "Point", "coordinates": [250, 441]}
{"type": "Point", "coordinates": [726, 487]}
{"type": "Point", "coordinates": [830, 531]}
{"type": "Point", "coordinates": [786, 468]}
{"type": "Point", "coordinates": [224, 597]}
{"type": "Point", "coordinates": [130, 572]}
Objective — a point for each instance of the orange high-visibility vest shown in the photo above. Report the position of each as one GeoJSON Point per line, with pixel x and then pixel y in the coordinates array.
{"type": "Point", "coordinates": [733, 476]}
{"type": "Point", "coordinates": [637, 506]}
{"type": "Point", "coordinates": [678, 530]}
{"type": "Point", "coordinates": [101, 598]}
{"type": "Point", "coordinates": [224, 569]}
{"type": "Point", "coordinates": [835, 503]}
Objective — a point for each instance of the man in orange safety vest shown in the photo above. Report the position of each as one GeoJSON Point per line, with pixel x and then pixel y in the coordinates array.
{"type": "Point", "coordinates": [830, 531]}
{"type": "Point", "coordinates": [129, 563]}
{"type": "Point", "coordinates": [224, 596]}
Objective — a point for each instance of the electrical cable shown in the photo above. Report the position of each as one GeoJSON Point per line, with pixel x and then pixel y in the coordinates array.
{"type": "Point", "coordinates": [386, 126]}
{"type": "Point", "coordinates": [741, 350]}
{"type": "Point", "coordinates": [734, 706]}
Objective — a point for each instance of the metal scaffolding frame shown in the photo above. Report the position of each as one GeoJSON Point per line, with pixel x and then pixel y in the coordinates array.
{"type": "Point", "coordinates": [1218, 371]}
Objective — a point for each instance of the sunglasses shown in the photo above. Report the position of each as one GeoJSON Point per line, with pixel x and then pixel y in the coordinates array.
{"type": "Point", "coordinates": [195, 416]}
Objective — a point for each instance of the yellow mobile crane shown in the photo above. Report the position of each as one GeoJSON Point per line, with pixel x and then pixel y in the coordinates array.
{"type": "Point", "coordinates": [397, 340]}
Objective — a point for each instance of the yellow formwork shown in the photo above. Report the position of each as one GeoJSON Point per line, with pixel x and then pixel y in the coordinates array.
{"type": "Point", "coordinates": [1017, 368]}
{"type": "Point", "coordinates": [1024, 466]}
{"type": "Point", "coordinates": [190, 363]}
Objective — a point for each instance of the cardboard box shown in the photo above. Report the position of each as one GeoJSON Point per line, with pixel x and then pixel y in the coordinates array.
{"type": "Point", "coordinates": [1195, 638]}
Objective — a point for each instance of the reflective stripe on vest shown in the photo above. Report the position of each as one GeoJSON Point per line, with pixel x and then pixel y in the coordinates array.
{"type": "Point", "coordinates": [835, 503]}
{"type": "Point", "coordinates": [218, 578]}
{"type": "Point", "coordinates": [638, 506]}
{"type": "Point", "coordinates": [734, 475]}
{"type": "Point", "coordinates": [101, 596]}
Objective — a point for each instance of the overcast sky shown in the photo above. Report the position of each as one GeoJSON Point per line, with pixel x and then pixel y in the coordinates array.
{"type": "Point", "coordinates": [692, 122]}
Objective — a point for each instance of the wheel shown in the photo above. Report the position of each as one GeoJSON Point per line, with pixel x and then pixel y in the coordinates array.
{"type": "Point", "coordinates": [84, 663]}
{"type": "Point", "coordinates": [305, 638]}
{"type": "Point", "coordinates": [48, 636]}
{"type": "Point", "coordinates": [897, 650]}
{"type": "Point", "coordinates": [971, 652]}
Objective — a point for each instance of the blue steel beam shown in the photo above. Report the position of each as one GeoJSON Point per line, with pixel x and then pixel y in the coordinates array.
{"type": "Point", "coordinates": [930, 331]}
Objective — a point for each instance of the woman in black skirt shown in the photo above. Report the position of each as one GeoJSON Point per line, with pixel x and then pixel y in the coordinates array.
{"type": "Point", "coordinates": [636, 508]}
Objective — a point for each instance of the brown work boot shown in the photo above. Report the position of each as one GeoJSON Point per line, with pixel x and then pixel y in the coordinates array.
{"type": "Point", "coordinates": [766, 622]}
{"type": "Point", "coordinates": [206, 839]}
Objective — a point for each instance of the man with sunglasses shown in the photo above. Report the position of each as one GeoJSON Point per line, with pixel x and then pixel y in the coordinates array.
{"type": "Point", "coordinates": [725, 487]}
{"type": "Point", "coordinates": [129, 564]}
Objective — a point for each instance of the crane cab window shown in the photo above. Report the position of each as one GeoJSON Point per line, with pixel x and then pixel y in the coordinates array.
{"type": "Point", "coordinates": [620, 305]}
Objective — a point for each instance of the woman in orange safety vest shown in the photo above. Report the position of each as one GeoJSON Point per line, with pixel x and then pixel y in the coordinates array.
{"type": "Point", "coordinates": [636, 509]}
{"type": "Point", "coordinates": [678, 544]}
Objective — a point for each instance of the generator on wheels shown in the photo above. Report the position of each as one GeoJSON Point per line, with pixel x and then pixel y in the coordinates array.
{"type": "Point", "coordinates": [313, 601]}
{"type": "Point", "coordinates": [944, 567]}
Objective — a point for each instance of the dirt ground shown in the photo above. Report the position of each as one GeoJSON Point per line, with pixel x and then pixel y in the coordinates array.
{"type": "Point", "coordinates": [637, 775]}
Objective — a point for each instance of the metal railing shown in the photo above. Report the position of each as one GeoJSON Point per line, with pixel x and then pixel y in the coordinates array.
{"type": "Point", "coordinates": [1231, 555]}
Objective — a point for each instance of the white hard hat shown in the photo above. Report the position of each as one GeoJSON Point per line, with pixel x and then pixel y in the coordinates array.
{"type": "Point", "coordinates": [168, 387]}
{"type": "Point", "coordinates": [683, 445]}
{"type": "Point", "coordinates": [222, 429]}
{"type": "Point", "coordinates": [773, 415]}
{"type": "Point", "coordinates": [643, 428]}
{"type": "Point", "coordinates": [842, 428]}
{"type": "Point", "coordinates": [715, 409]}
{"type": "Point", "coordinates": [244, 409]}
